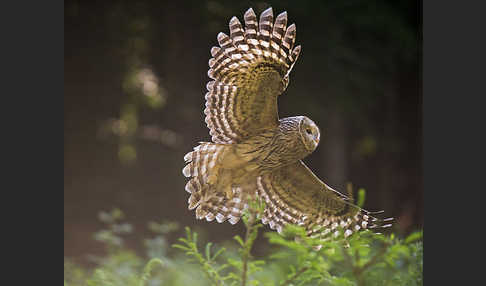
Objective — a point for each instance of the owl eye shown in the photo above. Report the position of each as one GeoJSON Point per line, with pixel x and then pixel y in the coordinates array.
{"type": "Point", "coordinates": [308, 131]}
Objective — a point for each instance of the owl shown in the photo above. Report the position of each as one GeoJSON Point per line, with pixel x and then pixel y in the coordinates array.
{"type": "Point", "coordinates": [254, 153]}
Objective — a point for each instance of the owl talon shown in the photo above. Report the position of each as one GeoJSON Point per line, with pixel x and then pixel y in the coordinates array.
{"type": "Point", "coordinates": [212, 179]}
{"type": "Point", "coordinates": [229, 193]}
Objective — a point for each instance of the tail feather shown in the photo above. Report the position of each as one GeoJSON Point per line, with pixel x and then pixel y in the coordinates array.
{"type": "Point", "coordinates": [221, 208]}
{"type": "Point", "coordinates": [210, 202]}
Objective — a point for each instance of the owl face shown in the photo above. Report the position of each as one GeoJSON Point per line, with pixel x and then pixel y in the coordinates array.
{"type": "Point", "coordinates": [310, 133]}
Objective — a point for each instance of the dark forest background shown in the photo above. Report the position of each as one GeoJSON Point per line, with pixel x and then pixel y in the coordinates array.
{"type": "Point", "coordinates": [134, 82]}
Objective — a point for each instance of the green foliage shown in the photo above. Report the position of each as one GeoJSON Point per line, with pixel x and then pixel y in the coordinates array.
{"type": "Point", "coordinates": [207, 261]}
{"type": "Point", "coordinates": [291, 258]}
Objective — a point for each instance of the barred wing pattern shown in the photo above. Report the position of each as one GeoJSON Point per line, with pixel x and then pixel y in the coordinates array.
{"type": "Point", "coordinates": [212, 203]}
{"type": "Point", "coordinates": [249, 70]}
{"type": "Point", "coordinates": [293, 194]}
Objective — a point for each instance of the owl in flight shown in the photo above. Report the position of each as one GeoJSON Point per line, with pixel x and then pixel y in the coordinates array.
{"type": "Point", "coordinates": [255, 153]}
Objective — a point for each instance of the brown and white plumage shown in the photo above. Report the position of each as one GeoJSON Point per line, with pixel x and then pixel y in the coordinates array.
{"type": "Point", "coordinates": [254, 153]}
{"type": "Point", "coordinates": [246, 63]}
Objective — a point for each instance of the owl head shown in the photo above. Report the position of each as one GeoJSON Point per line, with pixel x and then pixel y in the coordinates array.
{"type": "Point", "coordinates": [310, 133]}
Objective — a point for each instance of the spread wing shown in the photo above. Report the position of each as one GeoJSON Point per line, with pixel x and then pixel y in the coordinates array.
{"type": "Point", "coordinates": [293, 194]}
{"type": "Point", "coordinates": [249, 70]}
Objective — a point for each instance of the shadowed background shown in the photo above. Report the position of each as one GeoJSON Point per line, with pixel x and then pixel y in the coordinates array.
{"type": "Point", "coordinates": [134, 82]}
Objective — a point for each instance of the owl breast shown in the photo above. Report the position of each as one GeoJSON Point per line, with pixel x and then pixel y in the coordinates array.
{"type": "Point", "coordinates": [273, 148]}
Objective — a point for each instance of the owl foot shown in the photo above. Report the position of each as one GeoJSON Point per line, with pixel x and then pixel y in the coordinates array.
{"type": "Point", "coordinates": [213, 175]}
{"type": "Point", "coordinates": [229, 192]}
{"type": "Point", "coordinates": [212, 179]}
